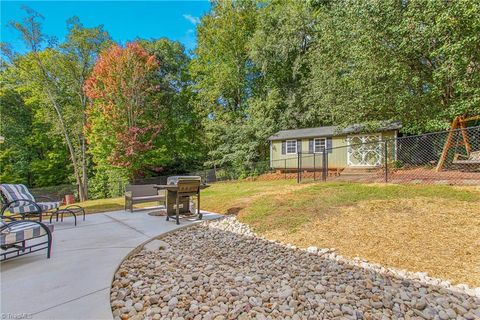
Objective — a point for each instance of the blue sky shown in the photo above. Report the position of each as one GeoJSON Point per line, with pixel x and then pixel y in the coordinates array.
{"type": "Point", "coordinates": [124, 20]}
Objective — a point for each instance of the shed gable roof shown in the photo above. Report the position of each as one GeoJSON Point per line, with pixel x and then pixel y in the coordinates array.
{"type": "Point", "coordinates": [329, 131]}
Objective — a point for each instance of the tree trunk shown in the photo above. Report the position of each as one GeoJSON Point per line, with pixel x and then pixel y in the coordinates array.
{"type": "Point", "coordinates": [84, 168]}
{"type": "Point", "coordinates": [84, 145]}
{"type": "Point", "coordinates": [71, 150]}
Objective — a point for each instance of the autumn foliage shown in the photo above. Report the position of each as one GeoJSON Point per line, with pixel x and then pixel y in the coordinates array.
{"type": "Point", "coordinates": [121, 89]}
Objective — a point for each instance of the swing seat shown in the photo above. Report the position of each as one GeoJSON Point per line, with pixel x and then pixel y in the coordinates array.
{"type": "Point", "coordinates": [473, 158]}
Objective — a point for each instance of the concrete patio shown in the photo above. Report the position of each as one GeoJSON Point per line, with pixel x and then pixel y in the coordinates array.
{"type": "Point", "coordinates": [75, 282]}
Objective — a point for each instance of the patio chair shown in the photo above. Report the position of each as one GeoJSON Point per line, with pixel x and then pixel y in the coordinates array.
{"type": "Point", "coordinates": [17, 237]}
{"type": "Point", "coordinates": [20, 202]}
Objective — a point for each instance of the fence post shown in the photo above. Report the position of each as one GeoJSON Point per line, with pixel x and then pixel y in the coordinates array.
{"type": "Point", "coordinates": [285, 169]}
{"type": "Point", "coordinates": [386, 162]}
{"type": "Point", "coordinates": [314, 168]}
{"type": "Point", "coordinates": [324, 166]}
{"type": "Point", "coordinates": [298, 168]}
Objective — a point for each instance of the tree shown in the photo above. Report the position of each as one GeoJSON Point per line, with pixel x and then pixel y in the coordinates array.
{"type": "Point", "coordinates": [31, 154]}
{"type": "Point", "coordinates": [16, 124]}
{"type": "Point", "coordinates": [80, 51]}
{"type": "Point", "coordinates": [224, 74]}
{"type": "Point", "coordinates": [120, 128]}
{"type": "Point", "coordinates": [280, 46]}
{"type": "Point", "coordinates": [181, 145]}
{"type": "Point", "coordinates": [415, 61]}
{"type": "Point", "coordinates": [57, 76]}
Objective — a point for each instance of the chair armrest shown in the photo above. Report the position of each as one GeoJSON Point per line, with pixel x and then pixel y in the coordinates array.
{"type": "Point", "coordinates": [128, 194]}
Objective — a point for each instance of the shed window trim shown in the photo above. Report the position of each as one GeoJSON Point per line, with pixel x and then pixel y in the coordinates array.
{"type": "Point", "coordinates": [288, 148]}
{"type": "Point", "coordinates": [319, 145]}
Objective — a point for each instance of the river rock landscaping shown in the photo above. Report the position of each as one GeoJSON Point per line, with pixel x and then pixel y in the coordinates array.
{"type": "Point", "coordinates": [222, 270]}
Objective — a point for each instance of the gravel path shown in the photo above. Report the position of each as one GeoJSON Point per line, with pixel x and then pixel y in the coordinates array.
{"type": "Point", "coordinates": [221, 270]}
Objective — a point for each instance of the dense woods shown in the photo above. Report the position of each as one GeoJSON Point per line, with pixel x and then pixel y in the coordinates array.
{"type": "Point", "coordinates": [90, 112]}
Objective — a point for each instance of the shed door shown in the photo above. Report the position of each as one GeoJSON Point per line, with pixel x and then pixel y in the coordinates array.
{"type": "Point", "coordinates": [364, 150]}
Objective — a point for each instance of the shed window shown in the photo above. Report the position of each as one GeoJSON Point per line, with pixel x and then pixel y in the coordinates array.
{"type": "Point", "coordinates": [319, 145]}
{"type": "Point", "coordinates": [291, 146]}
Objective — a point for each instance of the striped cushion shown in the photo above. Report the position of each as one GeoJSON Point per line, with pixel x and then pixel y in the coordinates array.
{"type": "Point", "coordinates": [45, 206]}
{"type": "Point", "coordinates": [16, 191]}
{"type": "Point", "coordinates": [22, 231]}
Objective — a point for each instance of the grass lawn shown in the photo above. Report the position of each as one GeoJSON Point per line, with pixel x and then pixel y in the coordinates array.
{"type": "Point", "coordinates": [432, 229]}
{"type": "Point", "coordinates": [220, 197]}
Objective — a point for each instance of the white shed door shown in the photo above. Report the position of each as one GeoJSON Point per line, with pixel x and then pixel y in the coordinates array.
{"type": "Point", "coordinates": [364, 151]}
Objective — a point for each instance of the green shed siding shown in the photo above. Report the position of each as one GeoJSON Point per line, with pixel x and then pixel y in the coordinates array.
{"type": "Point", "coordinates": [336, 159]}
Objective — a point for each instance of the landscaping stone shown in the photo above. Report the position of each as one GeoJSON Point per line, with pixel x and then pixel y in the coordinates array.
{"type": "Point", "coordinates": [313, 250]}
{"type": "Point", "coordinates": [221, 270]}
{"type": "Point", "coordinates": [155, 245]}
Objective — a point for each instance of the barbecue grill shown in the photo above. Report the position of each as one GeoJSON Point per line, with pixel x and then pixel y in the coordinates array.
{"type": "Point", "coordinates": [180, 190]}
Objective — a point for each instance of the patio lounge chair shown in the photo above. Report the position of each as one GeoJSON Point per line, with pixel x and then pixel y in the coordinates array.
{"type": "Point", "coordinates": [17, 237]}
{"type": "Point", "coordinates": [20, 202]}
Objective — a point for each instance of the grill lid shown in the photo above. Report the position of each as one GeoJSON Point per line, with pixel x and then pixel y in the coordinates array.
{"type": "Point", "coordinates": [173, 180]}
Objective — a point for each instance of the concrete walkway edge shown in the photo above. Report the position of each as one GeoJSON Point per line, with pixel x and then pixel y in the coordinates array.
{"type": "Point", "coordinates": [75, 282]}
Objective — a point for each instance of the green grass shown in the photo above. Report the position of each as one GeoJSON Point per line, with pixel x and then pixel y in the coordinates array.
{"type": "Point", "coordinates": [112, 204]}
{"type": "Point", "coordinates": [291, 211]}
{"type": "Point", "coordinates": [235, 196]}
{"type": "Point", "coordinates": [232, 197]}
{"type": "Point", "coordinates": [220, 197]}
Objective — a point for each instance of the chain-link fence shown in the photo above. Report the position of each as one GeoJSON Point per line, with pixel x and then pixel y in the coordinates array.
{"type": "Point", "coordinates": [55, 192]}
{"type": "Point", "coordinates": [116, 187]}
{"type": "Point", "coordinates": [448, 157]}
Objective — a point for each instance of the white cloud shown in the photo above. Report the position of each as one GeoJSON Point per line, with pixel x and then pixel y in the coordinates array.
{"type": "Point", "coordinates": [192, 19]}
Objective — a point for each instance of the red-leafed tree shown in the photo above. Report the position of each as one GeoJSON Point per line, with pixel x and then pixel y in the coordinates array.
{"type": "Point", "coordinates": [121, 124]}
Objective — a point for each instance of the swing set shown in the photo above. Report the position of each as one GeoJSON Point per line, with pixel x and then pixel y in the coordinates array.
{"type": "Point", "coordinates": [468, 160]}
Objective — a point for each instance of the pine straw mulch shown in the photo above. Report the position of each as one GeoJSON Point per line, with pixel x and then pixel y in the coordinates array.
{"type": "Point", "coordinates": [421, 234]}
